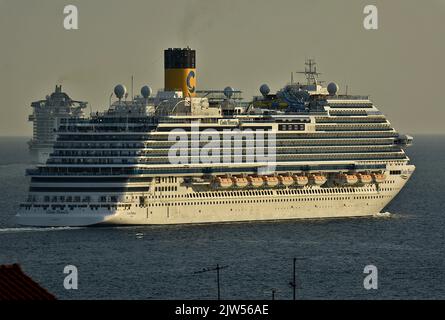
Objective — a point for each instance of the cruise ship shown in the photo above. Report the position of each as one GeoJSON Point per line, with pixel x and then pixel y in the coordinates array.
{"type": "Point", "coordinates": [47, 116]}
{"type": "Point", "coordinates": [184, 156]}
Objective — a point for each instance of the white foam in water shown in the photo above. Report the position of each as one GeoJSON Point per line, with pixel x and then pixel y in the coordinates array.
{"type": "Point", "coordinates": [31, 229]}
{"type": "Point", "coordinates": [384, 214]}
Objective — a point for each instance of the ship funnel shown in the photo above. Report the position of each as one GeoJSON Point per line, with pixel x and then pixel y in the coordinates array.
{"type": "Point", "coordinates": [180, 71]}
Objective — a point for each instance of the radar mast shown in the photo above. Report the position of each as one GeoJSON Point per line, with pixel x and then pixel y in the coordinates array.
{"type": "Point", "coordinates": [310, 71]}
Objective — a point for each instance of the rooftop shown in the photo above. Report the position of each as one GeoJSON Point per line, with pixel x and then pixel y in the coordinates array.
{"type": "Point", "coordinates": [16, 285]}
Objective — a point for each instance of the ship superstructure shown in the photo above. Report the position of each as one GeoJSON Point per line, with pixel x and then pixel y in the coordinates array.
{"type": "Point", "coordinates": [47, 116]}
{"type": "Point", "coordinates": [187, 156]}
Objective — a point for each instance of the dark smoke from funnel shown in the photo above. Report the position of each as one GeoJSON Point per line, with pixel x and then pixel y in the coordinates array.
{"type": "Point", "coordinates": [199, 16]}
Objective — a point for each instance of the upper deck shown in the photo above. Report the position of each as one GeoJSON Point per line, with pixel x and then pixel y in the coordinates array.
{"type": "Point", "coordinates": [309, 127]}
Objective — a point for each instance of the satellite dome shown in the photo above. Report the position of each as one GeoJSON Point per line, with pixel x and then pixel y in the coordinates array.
{"type": "Point", "coordinates": [228, 92]}
{"type": "Point", "coordinates": [120, 91]}
{"type": "Point", "coordinates": [264, 89]}
{"type": "Point", "coordinates": [332, 88]}
{"type": "Point", "coordinates": [146, 92]}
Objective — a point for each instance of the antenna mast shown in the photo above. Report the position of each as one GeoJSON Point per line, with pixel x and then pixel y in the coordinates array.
{"type": "Point", "coordinates": [217, 269]}
{"type": "Point", "coordinates": [132, 84]}
{"type": "Point", "coordinates": [310, 71]}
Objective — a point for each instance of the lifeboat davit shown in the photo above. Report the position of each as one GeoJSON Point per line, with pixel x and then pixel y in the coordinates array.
{"type": "Point", "coordinates": [286, 180]}
{"type": "Point", "coordinates": [317, 179]}
{"type": "Point", "coordinates": [346, 179]}
{"type": "Point", "coordinates": [240, 182]}
{"type": "Point", "coordinates": [378, 177]}
{"type": "Point", "coordinates": [364, 178]}
{"type": "Point", "coordinates": [271, 181]}
{"type": "Point", "coordinates": [255, 182]}
{"type": "Point", "coordinates": [301, 180]}
{"type": "Point", "coordinates": [223, 182]}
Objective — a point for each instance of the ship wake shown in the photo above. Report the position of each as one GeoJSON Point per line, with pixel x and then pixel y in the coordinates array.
{"type": "Point", "coordinates": [36, 229]}
{"type": "Point", "coordinates": [385, 214]}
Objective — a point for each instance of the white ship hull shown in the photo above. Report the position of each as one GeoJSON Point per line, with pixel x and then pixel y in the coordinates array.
{"type": "Point", "coordinates": [362, 201]}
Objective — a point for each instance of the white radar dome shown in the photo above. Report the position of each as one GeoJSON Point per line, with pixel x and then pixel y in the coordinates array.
{"type": "Point", "coordinates": [228, 92]}
{"type": "Point", "coordinates": [146, 92]}
{"type": "Point", "coordinates": [120, 91]}
{"type": "Point", "coordinates": [332, 88]}
{"type": "Point", "coordinates": [264, 89]}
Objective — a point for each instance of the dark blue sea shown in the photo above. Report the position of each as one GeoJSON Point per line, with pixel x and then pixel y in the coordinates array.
{"type": "Point", "coordinates": [407, 247]}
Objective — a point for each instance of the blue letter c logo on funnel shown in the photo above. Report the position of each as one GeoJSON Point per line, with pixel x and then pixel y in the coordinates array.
{"type": "Point", "coordinates": [189, 78]}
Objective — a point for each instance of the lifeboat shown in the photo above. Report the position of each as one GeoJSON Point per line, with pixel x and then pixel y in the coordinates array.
{"type": "Point", "coordinates": [378, 177]}
{"type": "Point", "coordinates": [223, 182]}
{"type": "Point", "coordinates": [346, 179]}
{"type": "Point", "coordinates": [255, 182]}
{"type": "Point", "coordinates": [317, 179]}
{"type": "Point", "coordinates": [271, 181]}
{"type": "Point", "coordinates": [240, 182]}
{"type": "Point", "coordinates": [286, 180]}
{"type": "Point", "coordinates": [301, 180]}
{"type": "Point", "coordinates": [364, 178]}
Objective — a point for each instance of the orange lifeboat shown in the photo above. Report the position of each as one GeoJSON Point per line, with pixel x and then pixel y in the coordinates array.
{"type": "Point", "coordinates": [301, 180]}
{"type": "Point", "coordinates": [271, 181]}
{"type": "Point", "coordinates": [346, 179]}
{"type": "Point", "coordinates": [317, 179]}
{"type": "Point", "coordinates": [286, 180]}
{"type": "Point", "coordinates": [240, 182]}
{"type": "Point", "coordinates": [223, 182]}
{"type": "Point", "coordinates": [364, 178]}
{"type": "Point", "coordinates": [378, 177]}
{"type": "Point", "coordinates": [255, 182]}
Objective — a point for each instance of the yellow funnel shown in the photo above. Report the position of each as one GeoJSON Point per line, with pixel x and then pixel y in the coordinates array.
{"type": "Point", "coordinates": [180, 71]}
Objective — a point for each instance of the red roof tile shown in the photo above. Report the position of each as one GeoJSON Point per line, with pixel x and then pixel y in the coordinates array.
{"type": "Point", "coordinates": [16, 285]}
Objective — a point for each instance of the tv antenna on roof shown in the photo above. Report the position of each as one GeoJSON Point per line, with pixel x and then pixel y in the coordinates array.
{"type": "Point", "coordinates": [218, 267]}
{"type": "Point", "coordinates": [293, 283]}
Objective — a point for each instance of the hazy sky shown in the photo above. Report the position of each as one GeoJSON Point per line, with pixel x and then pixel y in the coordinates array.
{"type": "Point", "coordinates": [241, 43]}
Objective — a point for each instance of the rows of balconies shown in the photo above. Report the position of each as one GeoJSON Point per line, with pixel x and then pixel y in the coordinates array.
{"type": "Point", "coordinates": [233, 159]}
{"type": "Point", "coordinates": [278, 150]}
